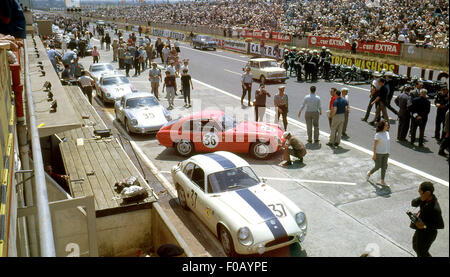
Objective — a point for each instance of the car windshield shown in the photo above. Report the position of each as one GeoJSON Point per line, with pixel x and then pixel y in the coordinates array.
{"type": "Point", "coordinates": [141, 102]}
{"type": "Point", "coordinates": [115, 81]}
{"type": "Point", "coordinates": [268, 64]}
{"type": "Point", "coordinates": [102, 68]}
{"type": "Point", "coordinates": [227, 122]}
{"type": "Point", "coordinates": [232, 179]}
{"type": "Point", "coordinates": [205, 38]}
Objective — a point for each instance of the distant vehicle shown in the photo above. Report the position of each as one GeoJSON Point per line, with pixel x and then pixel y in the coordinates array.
{"type": "Point", "coordinates": [112, 87]}
{"type": "Point", "coordinates": [266, 69]}
{"type": "Point", "coordinates": [209, 131]}
{"type": "Point", "coordinates": [98, 69]}
{"type": "Point", "coordinates": [141, 113]}
{"type": "Point", "coordinates": [100, 22]}
{"type": "Point", "coordinates": [204, 42]}
{"type": "Point", "coordinates": [247, 215]}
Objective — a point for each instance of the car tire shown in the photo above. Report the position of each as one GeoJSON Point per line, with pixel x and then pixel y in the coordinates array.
{"type": "Point", "coordinates": [184, 148]}
{"type": "Point", "coordinates": [182, 197]}
{"type": "Point", "coordinates": [227, 241]}
{"type": "Point", "coordinates": [127, 127]}
{"type": "Point", "coordinates": [260, 150]}
{"type": "Point", "coordinates": [262, 79]}
{"type": "Point", "coordinates": [347, 78]}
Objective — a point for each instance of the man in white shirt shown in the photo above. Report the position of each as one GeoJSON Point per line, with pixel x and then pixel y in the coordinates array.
{"type": "Point", "coordinates": [86, 84]}
{"type": "Point", "coordinates": [313, 111]}
{"type": "Point", "coordinates": [246, 79]}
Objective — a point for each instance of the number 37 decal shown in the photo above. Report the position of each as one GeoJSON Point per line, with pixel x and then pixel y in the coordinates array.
{"type": "Point", "coordinates": [278, 209]}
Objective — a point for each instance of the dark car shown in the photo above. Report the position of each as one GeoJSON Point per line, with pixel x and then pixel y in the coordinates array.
{"type": "Point", "coordinates": [204, 42]}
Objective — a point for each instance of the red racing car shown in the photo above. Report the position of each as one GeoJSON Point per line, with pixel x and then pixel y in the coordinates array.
{"type": "Point", "coordinates": [210, 131]}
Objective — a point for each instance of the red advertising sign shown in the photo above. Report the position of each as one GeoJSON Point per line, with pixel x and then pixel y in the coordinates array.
{"type": "Point", "coordinates": [259, 34]}
{"type": "Point", "coordinates": [379, 47]}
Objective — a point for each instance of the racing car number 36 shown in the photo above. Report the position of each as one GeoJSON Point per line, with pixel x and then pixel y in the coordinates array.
{"type": "Point", "coordinates": [210, 140]}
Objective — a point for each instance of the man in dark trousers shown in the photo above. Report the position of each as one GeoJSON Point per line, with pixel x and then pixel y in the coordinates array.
{"type": "Point", "coordinates": [403, 114]}
{"type": "Point", "coordinates": [391, 90]}
{"type": "Point", "coordinates": [429, 220]}
{"type": "Point", "coordinates": [246, 80]}
{"type": "Point", "coordinates": [420, 109]}
{"type": "Point", "coordinates": [381, 101]}
{"type": "Point", "coordinates": [441, 103]}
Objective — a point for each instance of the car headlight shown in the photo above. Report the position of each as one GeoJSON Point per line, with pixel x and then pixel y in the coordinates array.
{"type": "Point", "coordinates": [134, 122]}
{"type": "Point", "coordinates": [300, 219]}
{"type": "Point", "coordinates": [245, 236]}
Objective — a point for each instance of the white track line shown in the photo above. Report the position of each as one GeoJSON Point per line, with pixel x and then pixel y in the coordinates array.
{"type": "Point", "coordinates": [232, 72]}
{"type": "Point", "coordinates": [362, 149]}
{"type": "Point", "coordinates": [230, 58]}
{"type": "Point", "coordinates": [309, 181]}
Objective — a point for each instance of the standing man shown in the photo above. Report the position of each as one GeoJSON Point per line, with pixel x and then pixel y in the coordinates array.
{"type": "Point", "coordinates": [171, 85]}
{"type": "Point", "coordinates": [246, 80]}
{"type": "Point", "coordinates": [260, 102]}
{"type": "Point", "coordinates": [128, 61]}
{"type": "Point", "coordinates": [313, 111]}
{"type": "Point", "coordinates": [391, 90]}
{"type": "Point", "coordinates": [186, 85]}
{"type": "Point", "coordinates": [281, 103]}
{"type": "Point", "coordinates": [446, 139]}
{"type": "Point", "coordinates": [107, 41]}
{"type": "Point", "coordinates": [403, 114]}
{"type": "Point", "coordinates": [420, 109]}
{"type": "Point", "coordinates": [154, 75]}
{"type": "Point", "coordinates": [441, 103]}
{"type": "Point", "coordinates": [53, 55]}
{"type": "Point", "coordinates": [115, 47]}
{"type": "Point", "coordinates": [330, 106]}
{"type": "Point", "coordinates": [381, 100]}
{"type": "Point", "coordinates": [429, 220]}
{"type": "Point", "coordinates": [345, 95]}
{"type": "Point", "coordinates": [373, 95]}
{"type": "Point", "coordinates": [86, 84]}
{"type": "Point", "coordinates": [136, 62]}
{"type": "Point", "coordinates": [121, 55]}
{"type": "Point", "coordinates": [149, 56]}
{"type": "Point", "coordinates": [340, 107]}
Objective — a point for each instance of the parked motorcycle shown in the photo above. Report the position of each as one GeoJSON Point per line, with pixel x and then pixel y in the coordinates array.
{"type": "Point", "coordinates": [358, 75]}
{"type": "Point", "coordinates": [338, 71]}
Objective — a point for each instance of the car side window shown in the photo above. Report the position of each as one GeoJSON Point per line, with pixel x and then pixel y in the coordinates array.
{"type": "Point", "coordinates": [198, 177]}
{"type": "Point", "coordinates": [188, 170]}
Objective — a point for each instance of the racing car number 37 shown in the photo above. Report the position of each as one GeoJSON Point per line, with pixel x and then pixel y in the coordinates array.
{"type": "Point", "coordinates": [210, 140]}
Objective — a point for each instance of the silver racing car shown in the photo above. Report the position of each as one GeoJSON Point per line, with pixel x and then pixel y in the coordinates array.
{"type": "Point", "coordinates": [113, 87]}
{"type": "Point", "coordinates": [141, 113]}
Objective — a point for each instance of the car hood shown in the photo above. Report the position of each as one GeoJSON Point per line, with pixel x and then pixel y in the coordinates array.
{"type": "Point", "coordinates": [259, 127]}
{"type": "Point", "coordinates": [252, 204]}
{"type": "Point", "coordinates": [273, 69]}
{"type": "Point", "coordinates": [98, 74]}
{"type": "Point", "coordinates": [118, 90]}
{"type": "Point", "coordinates": [148, 116]}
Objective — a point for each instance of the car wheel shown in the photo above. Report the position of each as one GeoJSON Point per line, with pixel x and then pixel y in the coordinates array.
{"type": "Point", "coordinates": [182, 197]}
{"type": "Point", "coordinates": [347, 79]}
{"type": "Point", "coordinates": [227, 241]}
{"type": "Point", "coordinates": [260, 150]}
{"type": "Point", "coordinates": [127, 127]}
{"type": "Point", "coordinates": [184, 147]}
{"type": "Point", "coordinates": [262, 79]}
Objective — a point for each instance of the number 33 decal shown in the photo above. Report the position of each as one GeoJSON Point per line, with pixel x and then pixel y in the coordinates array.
{"type": "Point", "coordinates": [278, 209]}
{"type": "Point", "coordinates": [210, 140]}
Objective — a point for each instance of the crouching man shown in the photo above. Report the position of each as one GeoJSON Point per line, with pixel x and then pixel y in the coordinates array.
{"type": "Point", "coordinates": [292, 146]}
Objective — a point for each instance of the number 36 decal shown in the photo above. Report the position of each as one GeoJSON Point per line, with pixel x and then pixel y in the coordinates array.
{"type": "Point", "coordinates": [278, 209]}
{"type": "Point", "coordinates": [210, 140]}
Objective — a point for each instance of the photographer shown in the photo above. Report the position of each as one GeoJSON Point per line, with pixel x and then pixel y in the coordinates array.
{"type": "Point", "coordinates": [427, 220]}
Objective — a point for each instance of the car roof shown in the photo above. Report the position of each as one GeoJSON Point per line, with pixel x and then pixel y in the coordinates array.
{"type": "Point", "coordinates": [112, 75]}
{"type": "Point", "coordinates": [99, 64]}
{"type": "Point", "coordinates": [138, 95]}
{"type": "Point", "coordinates": [218, 161]}
{"type": "Point", "coordinates": [261, 59]}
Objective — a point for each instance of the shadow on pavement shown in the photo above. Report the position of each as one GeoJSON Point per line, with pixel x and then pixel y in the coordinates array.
{"type": "Point", "coordinates": [169, 154]}
{"type": "Point", "coordinates": [414, 147]}
{"type": "Point", "coordinates": [380, 190]}
{"type": "Point", "coordinates": [313, 146]}
{"type": "Point", "coordinates": [339, 150]}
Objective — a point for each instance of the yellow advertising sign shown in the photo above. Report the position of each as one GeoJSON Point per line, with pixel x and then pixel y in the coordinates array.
{"type": "Point", "coordinates": [364, 63]}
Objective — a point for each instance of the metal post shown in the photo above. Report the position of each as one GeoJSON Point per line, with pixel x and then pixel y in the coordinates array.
{"type": "Point", "coordinates": [47, 243]}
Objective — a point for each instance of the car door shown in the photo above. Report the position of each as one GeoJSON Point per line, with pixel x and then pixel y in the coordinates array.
{"type": "Point", "coordinates": [196, 195]}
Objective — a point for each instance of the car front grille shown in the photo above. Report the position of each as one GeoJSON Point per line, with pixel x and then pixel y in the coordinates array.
{"type": "Point", "coordinates": [279, 241]}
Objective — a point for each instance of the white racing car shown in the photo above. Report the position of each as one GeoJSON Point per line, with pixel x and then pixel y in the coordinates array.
{"type": "Point", "coordinates": [113, 87]}
{"type": "Point", "coordinates": [141, 113]}
{"type": "Point", "coordinates": [98, 69]}
{"type": "Point", "coordinates": [246, 215]}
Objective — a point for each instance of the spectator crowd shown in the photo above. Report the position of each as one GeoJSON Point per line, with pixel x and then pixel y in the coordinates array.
{"type": "Point", "coordinates": [422, 21]}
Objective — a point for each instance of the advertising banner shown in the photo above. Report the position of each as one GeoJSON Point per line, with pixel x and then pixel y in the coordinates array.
{"type": "Point", "coordinates": [233, 45]}
{"type": "Point", "coordinates": [266, 35]}
{"type": "Point", "coordinates": [364, 63]}
{"type": "Point", "coordinates": [378, 47]}
{"type": "Point", "coordinates": [269, 50]}
{"type": "Point", "coordinates": [168, 33]}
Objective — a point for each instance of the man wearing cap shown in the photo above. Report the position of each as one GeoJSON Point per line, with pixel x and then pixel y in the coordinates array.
{"type": "Point", "coordinates": [281, 103]}
{"type": "Point", "coordinates": [429, 220]}
{"type": "Point", "coordinates": [292, 146]}
{"type": "Point", "coordinates": [340, 107]}
{"type": "Point", "coordinates": [312, 113]}
{"type": "Point", "coordinates": [381, 101]}
{"type": "Point", "coordinates": [420, 109]}
{"type": "Point", "coordinates": [246, 80]}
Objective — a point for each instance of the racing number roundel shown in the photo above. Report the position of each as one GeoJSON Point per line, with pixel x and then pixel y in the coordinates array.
{"type": "Point", "coordinates": [210, 140]}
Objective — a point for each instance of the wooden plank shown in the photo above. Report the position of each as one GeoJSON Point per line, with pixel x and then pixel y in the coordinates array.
{"type": "Point", "coordinates": [101, 168]}
{"type": "Point", "coordinates": [70, 170]}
